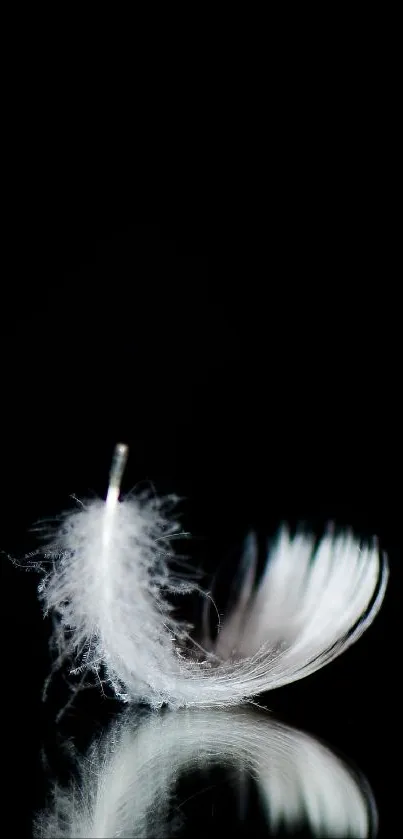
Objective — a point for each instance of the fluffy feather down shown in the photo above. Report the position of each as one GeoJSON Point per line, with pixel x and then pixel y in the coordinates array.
{"type": "Point", "coordinates": [108, 584]}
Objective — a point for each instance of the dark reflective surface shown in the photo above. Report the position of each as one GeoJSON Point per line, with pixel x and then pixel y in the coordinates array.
{"type": "Point", "coordinates": [247, 380]}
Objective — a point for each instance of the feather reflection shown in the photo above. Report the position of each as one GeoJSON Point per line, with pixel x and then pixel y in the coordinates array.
{"type": "Point", "coordinates": [127, 785]}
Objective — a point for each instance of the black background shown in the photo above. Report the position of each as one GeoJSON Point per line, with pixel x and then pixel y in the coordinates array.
{"type": "Point", "coordinates": [253, 369]}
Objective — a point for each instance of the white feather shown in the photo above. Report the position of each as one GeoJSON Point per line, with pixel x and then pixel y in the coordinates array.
{"type": "Point", "coordinates": [108, 588]}
{"type": "Point", "coordinates": [125, 786]}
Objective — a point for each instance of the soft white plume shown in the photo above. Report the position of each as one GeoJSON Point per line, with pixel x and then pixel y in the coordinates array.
{"type": "Point", "coordinates": [125, 786]}
{"type": "Point", "coordinates": [108, 584]}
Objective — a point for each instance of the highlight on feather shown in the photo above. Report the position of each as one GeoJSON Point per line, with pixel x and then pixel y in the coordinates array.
{"type": "Point", "coordinates": [119, 460]}
{"type": "Point", "coordinates": [109, 585]}
{"type": "Point", "coordinates": [125, 786]}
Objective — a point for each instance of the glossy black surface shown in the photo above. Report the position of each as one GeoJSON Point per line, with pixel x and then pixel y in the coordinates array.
{"type": "Point", "coordinates": [250, 377]}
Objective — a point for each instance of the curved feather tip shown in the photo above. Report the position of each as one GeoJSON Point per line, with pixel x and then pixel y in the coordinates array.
{"type": "Point", "coordinates": [108, 588]}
